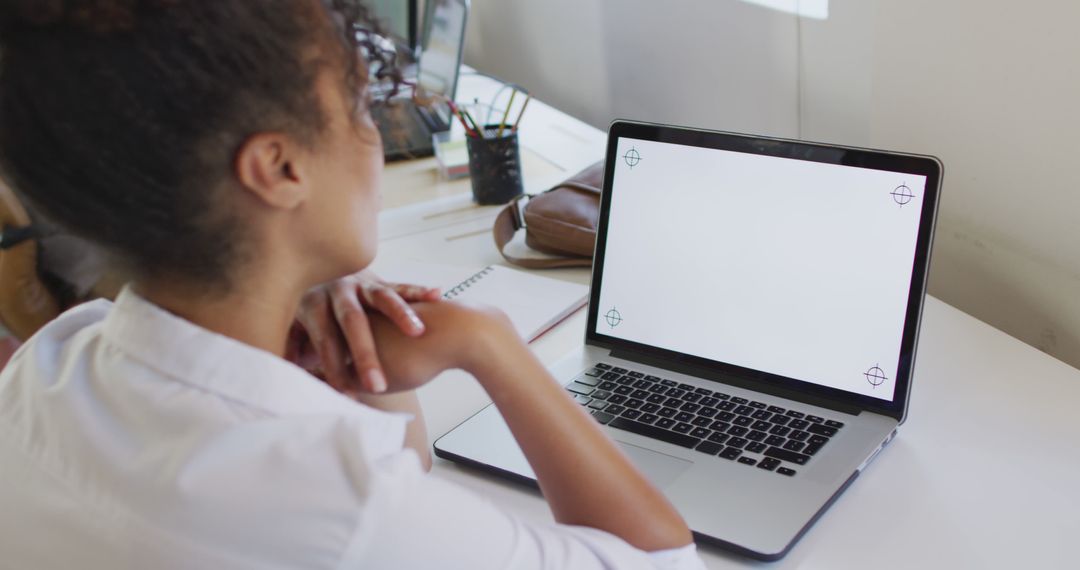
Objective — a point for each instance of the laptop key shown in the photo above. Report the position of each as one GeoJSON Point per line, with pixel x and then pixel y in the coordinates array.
{"type": "Point", "coordinates": [775, 440]}
{"type": "Point", "coordinates": [701, 422]}
{"type": "Point", "coordinates": [582, 389]}
{"type": "Point", "coordinates": [720, 396]}
{"type": "Point", "coordinates": [709, 401]}
{"type": "Point", "coordinates": [818, 440]}
{"type": "Point", "coordinates": [602, 366]}
{"type": "Point", "coordinates": [725, 416]}
{"type": "Point", "coordinates": [812, 449]}
{"type": "Point", "coordinates": [703, 391]}
{"type": "Point", "coordinates": [789, 456]}
{"type": "Point", "coordinates": [657, 388]}
{"type": "Point", "coordinates": [588, 380]}
{"type": "Point", "coordinates": [583, 400]}
{"type": "Point", "coordinates": [700, 433]}
{"type": "Point", "coordinates": [737, 442]}
{"type": "Point", "coordinates": [739, 400]}
{"type": "Point", "coordinates": [755, 435]}
{"type": "Point", "coordinates": [726, 406]}
{"type": "Point", "coordinates": [822, 430]}
{"type": "Point", "coordinates": [602, 417]}
{"type": "Point", "coordinates": [654, 432]}
{"type": "Point", "coordinates": [682, 427]}
{"type": "Point", "coordinates": [634, 404]}
{"type": "Point", "coordinates": [779, 420]}
{"type": "Point", "coordinates": [719, 437]}
{"type": "Point", "coordinates": [648, 418]}
{"type": "Point", "coordinates": [617, 399]}
{"type": "Point", "coordinates": [761, 415]}
{"type": "Point", "coordinates": [691, 396]}
{"type": "Point", "coordinates": [618, 370]}
{"type": "Point", "coordinates": [631, 414]}
{"type": "Point", "coordinates": [747, 460]}
{"type": "Point", "coordinates": [786, 471]}
{"type": "Point", "coordinates": [673, 402]}
{"type": "Point", "coordinates": [675, 392]}
{"type": "Point", "coordinates": [737, 430]}
{"type": "Point", "coordinates": [794, 445]}
{"type": "Point", "coordinates": [666, 412]}
{"type": "Point", "coordinates": [758, 405]}
{"type": "Point", "coordinates": [598, 404]}
{"type": "Point", "coordinates": [625, 380]}
{"type": "Point", "coordinates": [776, 409]}
{"type": "Point", "coordinates": [780, 430]}
{"type": "Point", "coordinates": [756, 447]}
{"type": "Point", "coordinates": [834, 424]}
{"type": "Point", "coordinates": [761, 425]}
{"type": "Point", "coordinates": [689, 407]}
{"type": "Point", "coordinates": [742, 421]}
{"type": "Point", "coordinates": [653, 378]}
{"type": "Point", "coordinates": [624, 390]}
{"type": "Point", "coordinates": [640, 394]}
{"type": "Point", "coordinates": [665, 422]}
{"type": "Point", "coordinates": [720, 426]}
{"type": "Point", "coordinates": [650, 408]}
{"type": "Point", "coordinates": [656, 399]}
{"type": "Point", "coordinates": [815, 419]}
{"type": "Point", "coordinates": [707, 412]}
{"type": "Point", "coordinates": [709, 447]}
{"type": "Point", "coordinates": [611, 376]}
{"type": "Point", "coordinates": [641, 384]}
{"type": "Point", "coordinates": [689, 387]}
{"type": "Point", "coordinates": [799, 435]}
{"type": "Point", "coordinates": [594, 372]}
{"type": "Point", "coordinates": [608, 385]}
{"type": "Point", "coordinates": [730, 452]}
{"type": "Point", "coordinates": [684, 417]}
{"type": "Point", "coordinates": [796, 415]}
{"type": "Point", "coordinates": [669, 383]}
{"type": "Point", "coordinates": [635, 374]}
{"type": "Point", "coordinates": [614, 410]}
{"type": "Point", "coordinates": [744, 410]}
{"type": "Point", "coordinates": [768, 464]}
{"type": "Point", "coordinates": [798, 424]}
{"type": "Point", "coordinates": [601, 395]}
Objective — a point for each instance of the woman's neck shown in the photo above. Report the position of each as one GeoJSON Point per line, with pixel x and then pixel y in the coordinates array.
{"type": "Point", "coordinates": [258, 312]}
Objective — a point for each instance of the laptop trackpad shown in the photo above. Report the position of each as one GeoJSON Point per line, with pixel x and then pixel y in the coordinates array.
{"type": "Point", "coordinates": [659, 468]}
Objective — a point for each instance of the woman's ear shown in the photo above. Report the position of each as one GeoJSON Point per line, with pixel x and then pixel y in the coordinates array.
{"type": "Point", "coordinates": [269, 166]}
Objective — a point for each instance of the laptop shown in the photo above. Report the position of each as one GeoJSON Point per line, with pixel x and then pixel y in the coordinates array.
{"type": "Point", "coordinates": [753, 319]}
{"type": "Point", "coordinates": [406, 123]}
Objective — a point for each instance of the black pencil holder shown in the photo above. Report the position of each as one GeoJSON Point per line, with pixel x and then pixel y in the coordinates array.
{"type": "Point", "coordinates": [495, 166]}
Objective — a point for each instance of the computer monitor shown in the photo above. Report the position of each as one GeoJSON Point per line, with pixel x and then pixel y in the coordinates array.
{"type": "Point", "coordinates": [399, 19]}
{"type": "Point", "coordinates": [444, 42]}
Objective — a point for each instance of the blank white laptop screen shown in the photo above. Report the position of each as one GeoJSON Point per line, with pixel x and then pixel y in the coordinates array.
{"type": "Point", "coordinates": [795, 268]}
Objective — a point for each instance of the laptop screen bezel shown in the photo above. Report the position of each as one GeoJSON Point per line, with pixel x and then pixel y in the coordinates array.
{"type": "Point", "coordinates": [926, 166]}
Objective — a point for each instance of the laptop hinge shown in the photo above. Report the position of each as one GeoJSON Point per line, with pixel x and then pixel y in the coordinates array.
{"type": "Point", "coordinates": [734, 380]}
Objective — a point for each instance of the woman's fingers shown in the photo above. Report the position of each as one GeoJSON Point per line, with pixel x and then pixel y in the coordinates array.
{"type": "Point", "coordinates": [318, 318]}
{"type": "Point", "coordinates": [387, 300]}
{"type": "Point", "coordinates": [354, 323]}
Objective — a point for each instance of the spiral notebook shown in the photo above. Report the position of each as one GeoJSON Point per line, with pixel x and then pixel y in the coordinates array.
{"type": "Point", "coordinates": [533, 302]}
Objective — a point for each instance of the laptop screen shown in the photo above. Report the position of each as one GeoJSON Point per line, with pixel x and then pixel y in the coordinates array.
{"type": "Point", "coordinates": [443, 42]}
{"type": "Point", "coordinates": [797, 268]}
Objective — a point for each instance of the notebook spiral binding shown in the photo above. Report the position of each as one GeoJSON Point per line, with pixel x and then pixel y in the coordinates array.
{"type": "Point", "coordinates": [460, 288]}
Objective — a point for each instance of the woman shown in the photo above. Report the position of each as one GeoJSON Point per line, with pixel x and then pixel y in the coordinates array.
{"type": "Point", "coordinates": [222, 153]}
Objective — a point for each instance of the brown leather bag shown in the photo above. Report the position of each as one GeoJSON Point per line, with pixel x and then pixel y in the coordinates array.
{"type": "Point", "coordinates": [560, 222]}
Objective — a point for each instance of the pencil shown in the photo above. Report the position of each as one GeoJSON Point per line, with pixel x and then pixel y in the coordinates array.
{"type": "Point", "coordinates": [522, 112]}
{"type": "Point", "coordinates": [476, 127]}
{"type": "Point", "coordinates": [506, 114]}
{"type": "Point", "coordinates": [457, 113]}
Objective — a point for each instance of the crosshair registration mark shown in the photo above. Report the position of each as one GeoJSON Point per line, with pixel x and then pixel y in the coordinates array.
{"type": "Point", "coordinates": [875, 376]}
{"type": "Point", "coordinates": [632, 158]}
{"type": "Point", "coordinates": [613, 318]}
{"type": "Point", "coordinates": [902, 195]}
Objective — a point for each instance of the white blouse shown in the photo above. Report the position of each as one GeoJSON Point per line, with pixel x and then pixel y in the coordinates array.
{"type": "Point", "coordinates": [130, 438]}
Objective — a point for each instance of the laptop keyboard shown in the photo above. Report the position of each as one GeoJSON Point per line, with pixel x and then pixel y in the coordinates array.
{"type": "Point", "coordinates": [733, 428]}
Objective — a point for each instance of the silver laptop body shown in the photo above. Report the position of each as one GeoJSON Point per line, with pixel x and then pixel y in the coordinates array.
{"type": "Point", "coordinates": [780, 281]}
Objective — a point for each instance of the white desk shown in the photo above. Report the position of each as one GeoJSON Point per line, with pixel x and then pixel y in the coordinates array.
{"type": "Point", "coordinates": [985, 473]}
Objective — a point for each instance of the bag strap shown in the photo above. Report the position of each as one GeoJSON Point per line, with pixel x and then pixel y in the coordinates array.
{"type": "Point", "coordinates": [512, 219]}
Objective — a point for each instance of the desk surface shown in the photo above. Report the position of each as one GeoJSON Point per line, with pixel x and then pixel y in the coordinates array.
{"type": "Point", "coordinates": [985, 472]}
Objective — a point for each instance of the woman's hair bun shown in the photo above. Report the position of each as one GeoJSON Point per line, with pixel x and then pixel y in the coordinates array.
{"type": "Point", "coordinates": [97, 16]}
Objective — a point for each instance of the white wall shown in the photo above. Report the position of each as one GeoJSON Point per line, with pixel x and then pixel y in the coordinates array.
{"type": "Point", "coordinates": [990, 87]}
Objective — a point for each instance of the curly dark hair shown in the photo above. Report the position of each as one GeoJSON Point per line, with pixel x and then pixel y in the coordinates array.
{"type": "Point", "coordinates": [120, 119]}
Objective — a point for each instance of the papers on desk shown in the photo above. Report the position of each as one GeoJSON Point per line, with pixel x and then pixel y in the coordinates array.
{"type": "Point", "coordinates": [533, 302]}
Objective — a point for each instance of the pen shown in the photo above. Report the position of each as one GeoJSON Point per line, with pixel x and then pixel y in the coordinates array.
{"type": "Point", "coordinates": [457, 113]}
{"type": "Point", "coordinates": [528, 98]}
{"type": "Point", "coordinates": [506, 114]}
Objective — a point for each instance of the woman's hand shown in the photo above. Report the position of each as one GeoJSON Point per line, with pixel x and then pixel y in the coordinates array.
{"type": "Point", "coordinates": [332, 336]}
